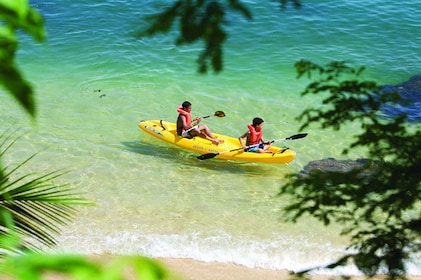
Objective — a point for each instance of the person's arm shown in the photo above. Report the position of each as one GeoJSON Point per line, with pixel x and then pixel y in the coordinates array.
{"type": "Point", "coordinates": [186, 126]}
{"type": "Point", "coordinates": [266, 142]}
{"type": "Point", "coordinates": [197, 120]}
{"type": "Point", "coordinates": [241, 139]}
{"type": "Point", "coordinates": [189, 126]}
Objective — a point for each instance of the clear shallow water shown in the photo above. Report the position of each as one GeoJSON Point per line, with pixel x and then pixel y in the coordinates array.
{"type": "Point", "coordinates": [159, 201]}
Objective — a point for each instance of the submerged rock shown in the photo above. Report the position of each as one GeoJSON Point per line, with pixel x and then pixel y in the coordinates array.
{"type": "Point", "coordinates": [410, 91]}
{"type": "Point", "coordinates": [332, 165]}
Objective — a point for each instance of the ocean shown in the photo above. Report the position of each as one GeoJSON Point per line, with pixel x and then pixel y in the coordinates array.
{"type": "Point", "coordinates": [94, 81]}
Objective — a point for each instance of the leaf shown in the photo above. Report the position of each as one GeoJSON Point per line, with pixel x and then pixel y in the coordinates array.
{"type": "Point", "coordinates": [36, 204]}
{"type": "Point", "coordinates": [12, 80]}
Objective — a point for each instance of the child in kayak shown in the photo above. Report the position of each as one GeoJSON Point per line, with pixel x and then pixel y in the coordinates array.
{"type": "Point", "coordinates": [188, 128]}
{"type": "Point", "coordinates": [254, 135]}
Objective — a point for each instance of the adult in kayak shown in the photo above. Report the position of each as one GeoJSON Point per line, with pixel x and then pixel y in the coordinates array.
{"type": "Point", "coordinates": [189, 128]}
{"type": "Point", "coordinates": [254, 138]}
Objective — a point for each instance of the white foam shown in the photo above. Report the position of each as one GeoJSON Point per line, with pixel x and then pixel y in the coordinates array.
{"type": "Point", "coordinates": [276, 254]}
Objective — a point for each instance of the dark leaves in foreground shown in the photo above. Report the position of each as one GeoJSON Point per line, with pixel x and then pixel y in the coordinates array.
{"type": "Point", "coordinates": [14, 17]}
{"type": "Point", "coordinates": [378, 203]}
{"type": "Point", "coordinates": [201, 20]}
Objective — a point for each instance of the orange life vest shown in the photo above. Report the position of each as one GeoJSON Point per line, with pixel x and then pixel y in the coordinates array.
{"type": "Point", "coordinates": [188, 116]}
{"type": "Point", "coordinates": [255, 136]}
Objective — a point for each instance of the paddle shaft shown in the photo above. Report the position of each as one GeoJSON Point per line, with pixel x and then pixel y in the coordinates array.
{"type": "Point", "coordinates": [219, 114]}
{"type": "Point", "coordinates": [216, 114]}
{"type": "Point", "coordinates": [293, 137]}
{"type": "Point", "coordinates": [250, 146]}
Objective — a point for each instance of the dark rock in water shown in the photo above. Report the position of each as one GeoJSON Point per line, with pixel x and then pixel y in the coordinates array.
{"type": "Point", "coordinates": [412, 86]}
{"type": "Point", "coordinates": [410, 91]}
{"type": "Point", "coordinates": [332, 165]}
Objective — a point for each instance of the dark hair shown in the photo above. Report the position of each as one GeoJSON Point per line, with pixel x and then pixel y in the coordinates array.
{"type": "Point", "coordinates": [257, 121]}
{"type": "Point", "coordinates": [186, 104]}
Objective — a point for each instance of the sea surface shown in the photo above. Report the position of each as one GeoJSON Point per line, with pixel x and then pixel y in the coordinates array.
{"type": "Point", "coordinates": [94, 81]}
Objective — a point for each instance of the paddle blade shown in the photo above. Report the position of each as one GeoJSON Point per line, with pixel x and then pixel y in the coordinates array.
{"type": "Point", "coordinates": [207, 156]}
{"type": "Point", "coordinates": [296, 136]}
{"type": "Point", "coordinates": [219, 114]}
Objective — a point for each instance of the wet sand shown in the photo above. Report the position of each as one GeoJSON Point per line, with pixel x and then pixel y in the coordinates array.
{"type": "Point", "coordinates": [188, 269]}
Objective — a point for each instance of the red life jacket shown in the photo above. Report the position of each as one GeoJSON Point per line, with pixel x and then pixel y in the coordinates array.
{"type": "Point", "coordinates": [255, 136]}
{"type": "Point", "coordinates": [188, 116]}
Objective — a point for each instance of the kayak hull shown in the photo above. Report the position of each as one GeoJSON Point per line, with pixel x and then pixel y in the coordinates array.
{"type": "Point", "coordinates": [166, 131]}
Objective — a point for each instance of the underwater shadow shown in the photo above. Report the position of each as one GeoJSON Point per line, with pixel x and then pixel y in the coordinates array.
{"type": "Point", "coordinates": [190, 160]}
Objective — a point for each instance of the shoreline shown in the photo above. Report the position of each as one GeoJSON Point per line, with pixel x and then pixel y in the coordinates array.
{"type": "Point", "coordinates": [189, 269]}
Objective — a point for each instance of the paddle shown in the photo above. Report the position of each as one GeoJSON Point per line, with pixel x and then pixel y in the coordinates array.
{"type": "Point", "coordinates": [212, 155]}
{"type": "Point", "coordinates": [219, 114]}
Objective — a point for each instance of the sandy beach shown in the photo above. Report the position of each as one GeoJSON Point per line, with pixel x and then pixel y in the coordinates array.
{"type": "Point", "coordinates": [194, 270]}
{"type": "Point", "coordinates": [188, 269]}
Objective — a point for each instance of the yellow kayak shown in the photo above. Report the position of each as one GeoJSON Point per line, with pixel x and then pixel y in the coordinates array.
{"type": "Point", "coordinates": [230, 149]}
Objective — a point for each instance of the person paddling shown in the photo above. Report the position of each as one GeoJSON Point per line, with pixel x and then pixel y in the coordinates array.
{"type": "Point", "coordinates": [188, 128]}
{"type": "Point", "coordinates": [254, 136]}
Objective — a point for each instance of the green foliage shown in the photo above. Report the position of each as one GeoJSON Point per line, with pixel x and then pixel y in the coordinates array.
{"type": "Point", "coordinates": [379, 209]}
{"type": "Point", "coordinates": [35, 266]}
{"type": "Point", "coordinates": [14, 15]}
{"type": "Point", "coordinates": [36, 204]}
{"type": "Point", "coordinates": [32, 207]}
{"type": "Point", "coordinates": [201, 20]}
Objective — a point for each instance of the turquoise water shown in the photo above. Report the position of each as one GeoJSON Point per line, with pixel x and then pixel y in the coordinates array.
{"type": "Point", "coordinates": [94, 82]}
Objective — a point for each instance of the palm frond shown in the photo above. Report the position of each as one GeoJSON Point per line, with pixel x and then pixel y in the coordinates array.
{"type": "Point", "coordinates": [38, 206]}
